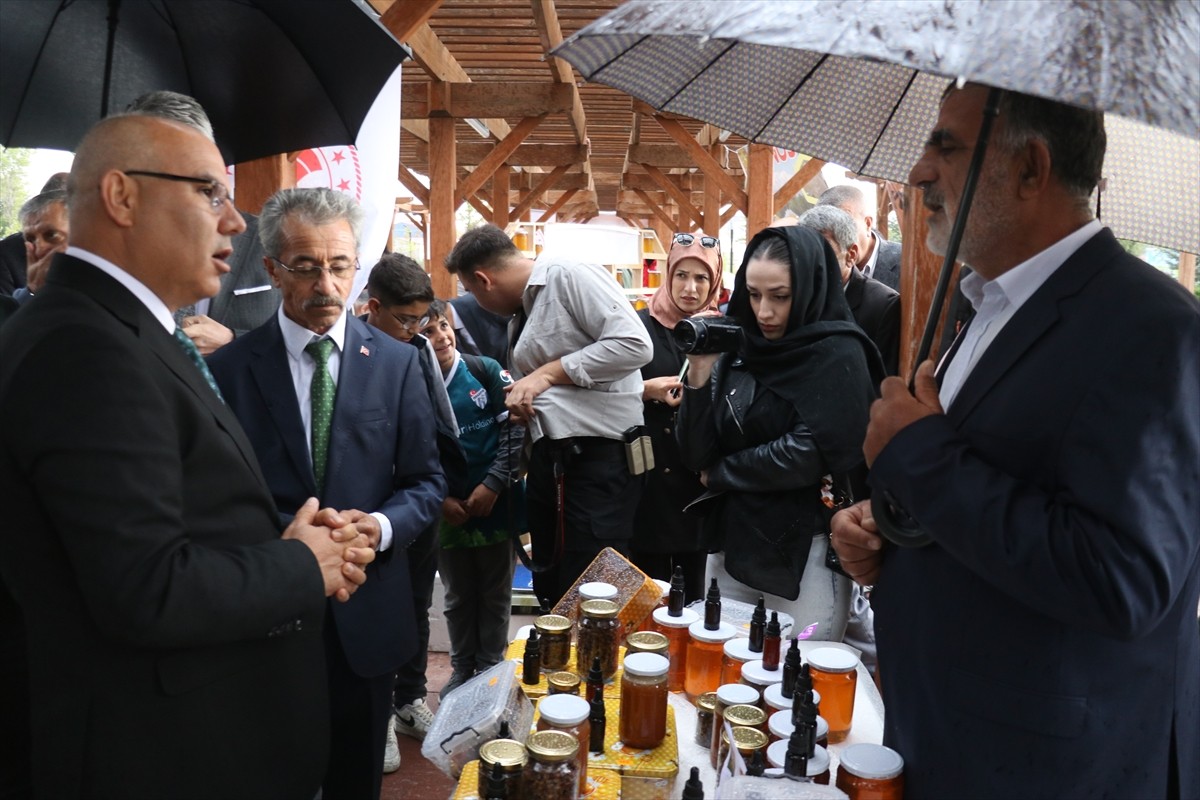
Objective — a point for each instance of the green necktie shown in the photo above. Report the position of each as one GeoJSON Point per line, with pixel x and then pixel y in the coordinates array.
{"type": "Point", "coordinates": [323, 390]}
{"type": "Point", "coordinates": [189, 347]}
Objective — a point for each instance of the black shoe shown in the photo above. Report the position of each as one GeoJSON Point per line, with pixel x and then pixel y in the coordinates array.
{"type": "Point", "coordinates": [457, 679]}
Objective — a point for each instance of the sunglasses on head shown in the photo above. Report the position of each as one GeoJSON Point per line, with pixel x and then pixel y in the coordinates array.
{"type": "Point", "coordinates": [686, 239]}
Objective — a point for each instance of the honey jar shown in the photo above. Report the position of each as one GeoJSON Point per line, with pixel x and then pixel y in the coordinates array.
{"type": "Point", "coordinates": [643, 715]}
{"type": "Point", "coordinates": [552, 771]}
{"type": "Point", "coordinates": [780, 726]}
{"type": "Point", "coordinates": [737, 653]}
{"type": "Point", "coordinates": [818, 765]}
{"type": "Point", "coordinates": [747, 741]}
{"type": "Point", "coordinates": [648, 642]}
{"type": "Point", "coordinates": [676, 631]}
{"type": "Point", "coordinates": [509, 756]}
{"type": "Point", "coordinates": [706, 709]}
{"type": "Point", "coordinates": [835, 675]}
{"type": "Point", "coordinates": [555, 633]}
{"type": "Point", "coordinates": [563, 683]}
{"type": "Point", "coordinates": [731, 694]}
{"type": "Point", "coordinates": [598, 635]}
{"type": "Point", "coordinates": [871, 772]}
{"type": "Point", "coordinates": [756, 675]}
{"type": "Point", "coordinates": [705, 650]}
{"type": "Point", "coordinates": [569, 714]}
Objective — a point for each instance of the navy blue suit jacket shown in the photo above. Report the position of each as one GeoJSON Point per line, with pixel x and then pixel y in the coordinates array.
{"type": "Point", "coordinates": [382, 458]}
{"type": "Point", "coordinates": [1046, 644]}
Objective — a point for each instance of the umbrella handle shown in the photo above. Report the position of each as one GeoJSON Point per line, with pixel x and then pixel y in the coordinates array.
{"type": "Point", "coordinates": [895, 526]}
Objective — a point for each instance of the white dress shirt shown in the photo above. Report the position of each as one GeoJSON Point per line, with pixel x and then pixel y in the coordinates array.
{"type": "Point", "coordinates": [302, 366]}
{"type": "Point", "coordinates": [141, 291]}
{"type": "Point", "coordinates": [995, 302]}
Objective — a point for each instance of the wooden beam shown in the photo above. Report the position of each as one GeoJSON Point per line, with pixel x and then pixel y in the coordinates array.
{"type": "Point", "coordinates": [758, 190]}
{"type": "Point", "coordinates": [436, 60]}
{"type": "Point", "coordinates": [655, 208]}
{"type": "Point", "coordinates": [1187, 271]}
{"type": "Point", "coordinates": [663, 156]}
{"type": "Point", "coordinates": [419, 128]}
{"type": "Point", "coordinates": [683, 200]}
{"type": "Point", "coordinates": [727, 215]}
{"type": "Point", "coordinates": [498, 156]}
{"type": "Point", "coordinates": [482, 100]}
{"type": "Point", "coordinates": [500, 214]}
{"type": "Point", "coordinates": [712, 201]}
{"type": "Point", "coordinates": [687, 181]}
{"type": "Point", "coordinates": [707, 164]}
{"type": "Point", "coordinates": [563, 199]}
{"type": "Point", "coordinates": [537, 191]}
{"type": "Point", "coordinates": [259, 179]}
{"type": "Point", "coordinates": [919, 270]}
{"type": "Point", "coordinates": [442, 203]}
{"type": "Point", "coordinates": [478, 205]}
{"type": "Point", "coordinates": [545, 16]}
{"type": "Point", "coordinates": [645, 109]}
{"type": "Point", "coordinates": [472, 154]}
{"type": "Point", "coordinates": [795, 183]}
{"type": "Point", "coordinates": [403, 18]}
{"type": "Point", "coordinates": [413, 185]}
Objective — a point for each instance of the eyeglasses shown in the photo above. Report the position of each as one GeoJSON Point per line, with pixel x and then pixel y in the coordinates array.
{"type": "Point", "coordinates": [312, 272]}
{"type": "Point", "coordinates": [215, 191]}
{"type": "Point", "coordinates": [686, 239]}
{"type": "Point", "coordinates": [410, 324]}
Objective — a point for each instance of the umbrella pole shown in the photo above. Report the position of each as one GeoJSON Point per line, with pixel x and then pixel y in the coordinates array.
{"type": "Point", "coordinates": [893, 524]}
{"type": "Point", "coordinates": [114, 7]}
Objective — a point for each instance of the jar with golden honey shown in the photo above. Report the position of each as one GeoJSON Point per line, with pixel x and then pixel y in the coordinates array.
{"type": "Point", "coordinates": [818, 765]}
{"type": "Point", "coordinates": [555, 633]}
{"type": "Point", "coordinates": [509, 756]}
{"type": "Point", "coordinates": [835, 675]}
{"type": "Point", "coordinates": [648, 642]}
{"type": "Point", "coordinates": [598, 635]}
{"type": "Point", "coordinates": [747, 716]}
{"type": "Point", "coordinates": [731, 694]}
{"type": "Point", "coordinates": [756, 675]}
{"type": "Point", "coordinates": [676, 631]}
{"type": "Point", "coordinates": [780, 726]}
{"type": "Point", "coordinates": [563, 683]}
{"type": "Point", "coordinates": [871, 772]}
{"type": "Point", "coordinates": [643, 715]}
{"type": "Point", "coordinates": [747, 741]}
{"type": "Point", "coordinates": [705, 650]}
{"type": "Point", "coordinates": [569, 714]}
{"type": "Point", "coordinates": [737, 653]}
{"type": "Point", "coordinates": [552, 771]}
{"type": "Point", "coordinates": [774, 700]}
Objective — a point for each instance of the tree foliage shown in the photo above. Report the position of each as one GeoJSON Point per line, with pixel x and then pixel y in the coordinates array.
{"type": "Point", "coordinates": [13, 194]}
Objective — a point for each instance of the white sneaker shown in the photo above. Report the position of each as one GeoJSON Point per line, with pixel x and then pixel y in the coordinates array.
{"type": "Point", "coordinates": [413, 719]}
{"type": "Point", "coordinates": [391, 752]}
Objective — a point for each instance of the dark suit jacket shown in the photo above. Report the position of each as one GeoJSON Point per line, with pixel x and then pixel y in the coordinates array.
{"type": "Point", "coordinates": [382, 457]}
{"type": "Point", "coordinates": [876, 309]}
{"type": "Point", "coordinates": [1058, 604]}
{"type": "Point", "coordinates": [247, 297]}
{"type": "Point", "coordinates": [887, 263]}
{"type": "Point", "coordinates": [174, 638]}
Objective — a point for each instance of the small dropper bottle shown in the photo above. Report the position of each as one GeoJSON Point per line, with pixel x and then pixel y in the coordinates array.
{"type": "Point", "coordinates": [595, 679]}
{"type": "Point", "coordinates": [597, 722]}
{"type": "Point", "coordinates": [693, 789]}
{"type": "Point", "coordinates": [712, 607]}
{"type": "Point", "coordinates": [758, 623]}
{"type": "Point", "coordinates": [676, 597]}
{"type": "Point", "coordinates": [791, 669]}
{"type": "Point", "coordinates": [531, 668]}
{"type": "Point", "coordinates": [771, 644]}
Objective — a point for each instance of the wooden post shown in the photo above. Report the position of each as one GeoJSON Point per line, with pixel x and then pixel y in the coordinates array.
{"type": "Point", "coordinates": [1187, 271]}
{"type": "Point", "coordinates": [760, 199]}
{"type": "Point", "coordinates": [259, 179]}
{"type": "Point", "coordinates": [712, 201]}
{"type": "Point", "coordinates": [500, 207]}
{"type": "Point", "coordinates": [918, 277]}
{"type": "Point", "coordinates": [882, 203]}
{"type": "Point", "coordinates": [442, 183]}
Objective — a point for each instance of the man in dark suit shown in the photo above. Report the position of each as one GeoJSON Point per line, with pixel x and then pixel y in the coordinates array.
{"type": "Point", "coordinates": [370, 451]}
{"type": "Point", "coordinates": [479, 331]}
{"type": "Point", "coordinates": [877, 257]}
{"type": "Point", "coordinates": [876, 307]}
{"type": "Point", "coordinates": [174, 637]}
{"type": "Point", "coordinates": [1045, 644]}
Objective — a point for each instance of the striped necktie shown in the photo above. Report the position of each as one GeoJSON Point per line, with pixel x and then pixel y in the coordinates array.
{"type": "Point", "coordinates": [189, 347]}
{"type": "Point", "coordinates": [322, 394]}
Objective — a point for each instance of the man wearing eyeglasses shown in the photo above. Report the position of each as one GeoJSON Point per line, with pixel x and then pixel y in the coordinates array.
{"type": "Point", "coordinates": [171, 630]}
{"type": "Point", "coordinates": [337, 410]}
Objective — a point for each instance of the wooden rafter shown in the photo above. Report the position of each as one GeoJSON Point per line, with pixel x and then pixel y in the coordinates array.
{"type": "Point", "coordinates": [562, 200]}
{"type": "Point", "coordinates": [497, 157]}
{"type": "Point", "coordinates": [537, 191]}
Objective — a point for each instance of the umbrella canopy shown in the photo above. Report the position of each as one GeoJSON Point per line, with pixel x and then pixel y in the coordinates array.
{"type": "Point", "coordinates": [859, 83]}
{"type": "Point", "coordinates": [275, 76]}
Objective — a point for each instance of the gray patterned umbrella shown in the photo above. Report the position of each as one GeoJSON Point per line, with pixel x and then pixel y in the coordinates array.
{"type": "Point", "coordinates": [858, 82]}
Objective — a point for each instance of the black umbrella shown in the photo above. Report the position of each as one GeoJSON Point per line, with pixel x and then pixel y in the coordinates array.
{"type": "Point", "coordinates": [275, 76]}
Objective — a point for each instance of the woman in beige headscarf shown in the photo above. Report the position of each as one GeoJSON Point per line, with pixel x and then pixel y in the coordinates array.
{"type": "Point", "coordinates": [664, 537]}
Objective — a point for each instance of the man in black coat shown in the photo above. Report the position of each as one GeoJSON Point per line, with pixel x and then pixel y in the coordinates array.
{"type": "Point", "coordinates": [877, 257]}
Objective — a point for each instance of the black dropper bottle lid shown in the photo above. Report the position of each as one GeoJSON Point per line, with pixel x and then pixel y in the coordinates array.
{"type": "Point", "coordinates": [758, 621]}
{"type": "Point", "coordinates": [712, 607]}
{"type": "Point", "coordinates": [495, 783]}
{"type": "Point", "coordinates": [505, 731]}
{"type": "Point", "coordinates": [676, 597]}
{"type": "Point", "coordinates": [803, 679]}
{"type": "Point", "coordinates": [597, 721]}
{"type": "Point", "coordinates": [795, 762]}
{"type": "Point", "coordinates": [791, 670]}
{"type": "Point", "coordinates": [533, 645]}
{"type": "Point", "coordinates": [693, 789]}
{"type": "Point", "coordinates": [757, 765]}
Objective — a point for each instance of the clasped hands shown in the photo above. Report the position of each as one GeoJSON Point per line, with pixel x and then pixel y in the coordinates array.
{"type": "Point", "coordinates": [344, 543]}
{"type": "Point", "coordinates": [855, 536]}
{"type": "Point", "coordinates": [479, 504]}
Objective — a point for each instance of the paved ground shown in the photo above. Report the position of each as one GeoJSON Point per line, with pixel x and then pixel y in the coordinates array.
{"type": "Point", "coordinates": [418, 779]}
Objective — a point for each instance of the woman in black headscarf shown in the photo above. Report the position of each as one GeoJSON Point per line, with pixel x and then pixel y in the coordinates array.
{"type": "Point", "coordinates": [776, 429]}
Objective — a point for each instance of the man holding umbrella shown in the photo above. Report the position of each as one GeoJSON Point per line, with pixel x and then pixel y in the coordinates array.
{"type": "Point", "coordinates": [1046, 643]}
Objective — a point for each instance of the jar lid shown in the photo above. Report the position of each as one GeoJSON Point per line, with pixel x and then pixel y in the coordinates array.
{"type": "Point", "coordinates": [777, 757]}
{"type": "Point", "coordinates": [597, 590]}
{"type": "Point", "coordinates": [739, 648]}
{"type": "Point", "coordinates": [773, 697]}
{"type": "Point", "coordinates": [832, 659]}
{"type": "Point", "coordinates": [822, 728]}
{"type": "Point", "coordinates": [747, 715]}
{"type": "Point", "coordinates": [599, 608]}
{"type": "Point", "coordinates": [734, 694]}
{"type": "Point", "coordinates": [646, 642]}
{"type": "Point", "coordinates": [505, 752]}
{"type": "Point", "coordinates": [552, 745]}
{"type": "Point", "coordinates": [755, 673]}
{"type": "Point", "coordinates": [563, 680]}
{"type": "Point", "coordinates": [662, 616]}
{"type": "Point", "coordinates": [563, 709]}
{"type": "Point", "coordinates": [646, 665]}
{"type": "Point", "coordinates": [708, 701]}
{"type": "Point", "coordinates": [723, 633]}
{"type": "Point", "coordinates": [552, 623]}
{"type": "Point", "coordinates": [780, 724]}
{"type": "Point", "coordinates": [745, 738]}
{"type": "Point", "coordinates": [871, 761]}
{"type": "Point", "coordinates": [663, 586]}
